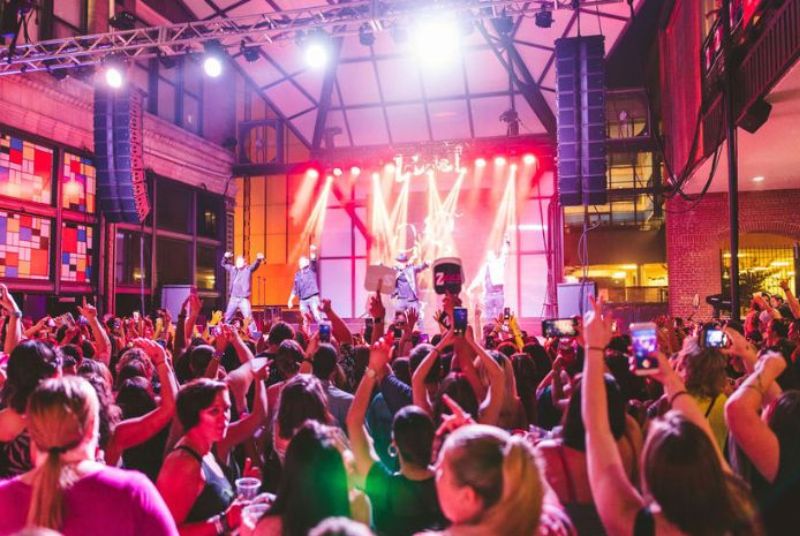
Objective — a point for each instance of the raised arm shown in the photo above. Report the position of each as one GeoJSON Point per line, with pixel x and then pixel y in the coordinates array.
{"type": "Point", "coordinates": [418, 390]}
{"type": "Point", "coordinates": [743, 415]}
{"type": "Point", "coordinates": [378, 313]}
{"type": "Point", "coordinates": [794, 305]}
{"type": "Point", "coordinates": [226, 261]}
{"type": "Point", "coordinates": [101, 340]}
{"type": "Point", "coordinates": [135, 431]}
{"type": "Point", "coordinates": [338, 328]}
{"type": "Point", "coordinates": [14, 325]}
{"type": "Point", "coordinates": [360, 441]}
{"type": "Point", "coordinates": [245, 427]}
{"type": "Point", "coordinates": [259, 259]}
{"type": "Point", "coordinates": [492, 404]}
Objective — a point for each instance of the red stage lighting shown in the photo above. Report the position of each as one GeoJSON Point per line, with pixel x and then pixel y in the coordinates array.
{"type": "Point", "coordinates": [337, 171]}
{"type": "Point", "coordinates": [355, 171]}
{"type": "Point", "coordinates": [389, 168]}
{"type": "Point", "coordinates": [529, 159]}
{"type": "Point", "coordinates": [499, 161]}
{"type": "Point", "coordinates": [312, 173]}
{"type": "Point", "coordinates": [480, 162]}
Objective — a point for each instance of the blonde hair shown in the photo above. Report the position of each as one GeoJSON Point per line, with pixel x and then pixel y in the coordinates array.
{"type": "Point", "coordinates": [62, 413]}
{"type": "Point", "coordinates": [503, 472]}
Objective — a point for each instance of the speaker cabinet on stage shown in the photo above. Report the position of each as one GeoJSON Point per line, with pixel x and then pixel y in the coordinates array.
{"type": "Point", "coordinates": [581, 105]}
{"type": "Point", "coordinates": [119, 155]}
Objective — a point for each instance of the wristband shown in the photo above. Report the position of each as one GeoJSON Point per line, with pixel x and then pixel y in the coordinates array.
{"type": "Point", "coordinates": [596, 348]}
{"type": "Point", "coordinates": [676, 395]}
{"type": "Point", "coordinates": [378, 320]}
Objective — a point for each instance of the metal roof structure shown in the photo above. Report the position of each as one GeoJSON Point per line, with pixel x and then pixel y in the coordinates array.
{"type": "Point", "coordinates": [382, 94]}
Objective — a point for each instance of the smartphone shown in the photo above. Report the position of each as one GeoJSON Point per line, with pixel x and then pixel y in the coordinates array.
{"type": "Point", "coordinates": [713, 337]}
{"type": "Point", "coordinates": [369, 325]}
{"type": "Point", "coordinates": [645, 342]}
{"type": "Point", "coordinates": [136, 316]}
{"type": "Point", "coordinates": [325, 332]}
{"type": "Point", "coordinates": [216, 330]}
{"type": "Point", "coordinates": [507, 313]}
{"type": "Point", "coordinates": [460, 316]}
{"type": "Point", "coordinates": [397, 332]}
{"type": "Point", "coordinates": [51, 323]}
{"type": "Point", "coordinates": [424, 338]}
{"type": "Point", "coordinates": [560, 327]}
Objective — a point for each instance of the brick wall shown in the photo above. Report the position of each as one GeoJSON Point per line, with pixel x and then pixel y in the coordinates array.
{"type": "Point", "coordinates": [695, 236]}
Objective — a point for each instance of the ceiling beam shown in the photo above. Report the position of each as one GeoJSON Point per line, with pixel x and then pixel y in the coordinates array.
{"type": "Point", "coordinates": [326, 94]}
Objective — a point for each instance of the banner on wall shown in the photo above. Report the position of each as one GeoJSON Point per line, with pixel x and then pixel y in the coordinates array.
{"type": "Point", "coordinates": [119, 154]}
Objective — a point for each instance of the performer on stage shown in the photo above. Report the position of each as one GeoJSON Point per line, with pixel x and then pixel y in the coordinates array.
{"type": "Point", "coordinates": [240, 274]}
{"type": "Point", "coordinates": [305, 286]}
{"type": "Point", "coordinates": [493, 275]}
{"type": "Point", "coordinates": [405, 284]}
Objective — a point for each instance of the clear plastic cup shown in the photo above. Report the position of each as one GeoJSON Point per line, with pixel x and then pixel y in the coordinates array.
{"type": "Point", "coordinates": [247, 488]}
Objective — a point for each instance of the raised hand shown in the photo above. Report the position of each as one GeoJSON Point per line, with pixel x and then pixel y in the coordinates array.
{"type": "Point", "coordinates": [228, 254]}
{"type": "Point", "coordinates": [596, 327]}
{"type": "Point", "coordinates": [154, 351]}
{"type": "Point", "coordinates": [260, 256]}
{"type": "Point", "coordinates": [325, 306]}
{"type": "Point", "coordinates": [195, 305]}
{"type": "Point", "coordinates": [376, 308]}
{"type": "Point", "coordinates": [455, 420]}
{"type": "Point", "coordinates": [380, 353]}
{"type": "Point", "coordinates": [7, 300]}
{"type": "Point", "coordinates": [88, 310]}
{"type": "Point", "coordinates": [412, 317]}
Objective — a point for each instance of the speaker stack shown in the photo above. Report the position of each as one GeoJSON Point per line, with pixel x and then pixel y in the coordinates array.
{"type": "Point", "coordinates": [581, 106]}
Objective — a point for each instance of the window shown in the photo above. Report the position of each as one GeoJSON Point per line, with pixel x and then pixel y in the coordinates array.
{"type": "Point", "coordinates": [174, 261]}
{"type": "Point", "coordinates": [128, 270]}
{"type": "Point", "coordinates": [174, 206]}
{"type": "Point", "coordinates": [24, 246]}
{"type": "Point", "coordinates": [78, 183]}
{"type": "Point", "coordinates": [26, 170]}
{"type": "Point", "coordinates": [206, 267]}
{"type": "Point", "coordinates": [77, 247]}
{"type": "Point", "coordinates": [209, 215]}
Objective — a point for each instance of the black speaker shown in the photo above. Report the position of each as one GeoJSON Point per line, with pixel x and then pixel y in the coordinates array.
{"type": "Point", "coordinates": [756, 116]}
{"type": "Point", "coordinates": [581, 105]}
{"type": "Point", "coordinates": [119, 157]}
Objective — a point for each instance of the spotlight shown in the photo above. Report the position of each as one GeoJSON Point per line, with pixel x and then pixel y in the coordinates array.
{"type": "Point", "coordinates": [114, 71]}
{"type": "Point", "coordinates": [499, 161]}
{"type": "Point", "coordinates": [168, 62]}
{"type": "Point", "coordinates": [389, 168]}
{"type": "Point", "coordinates": [312, 173]}
{"type": "Point", "coordinates": [123, 21]}
{"type": "Point", "coordinates": [543, 18]}
{"type": "Point", "coordinates": [365, 35]}
{"type": "Point", "coordinates": [504, 23]}
{"type": "Point", "coordinates": [250, 54]}
{"type": "Point", "coordinates": [355, 171]}
{"type": "Point", "coordinates": [337, 171]}
{"type": "Point", "coordinates": [480, 162]}
{"type": "Point", "coordinates": [316, 55]}
{"type": "Point", "coordinates": [529, 159]}
{"type": "Point", "coordinates": [437, 42]}
{"type": "Point", "coordinates": [212, 64]}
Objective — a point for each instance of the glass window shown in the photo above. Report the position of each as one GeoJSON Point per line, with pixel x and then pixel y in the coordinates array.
{"type": "Point", "coordinates": [24, 246]}
{"type": "Point", "coordinates": [26, 170]}
{"type": "Point", "coordinates": [140, 76]}
{"type": "Point", "coordinates": [206, 267]}
{"type": "Point", "coordinates": [192, 78]}
{"type": "Point", "coordinates": [127, 266]}
{"type": "Point", "coordinates": [209, 215]}
{"type": "Point", "coordinates": [191, 114]}
{"type": "Point", "coordinates": [77, 249]}
{"type": "Point", "coordinates": [174, 262]}
{"type": "Point", "coordinates": [174, 206]}
{"type": "Point", "coordinates": [166, 101]}
{"type": "Point", "coordinates": [78, 183]}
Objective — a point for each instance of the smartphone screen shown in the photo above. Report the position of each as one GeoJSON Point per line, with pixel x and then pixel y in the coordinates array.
{"type": "Point", "coordinates": [507, 313]}
{"type": "Point", "coordinates": [644, 340]}
{"type": "Point", "coordinates": [369, 325]}
{"type": "Point", "coordinates": [714, 338]}
{"type": "Point", "coordinates": [560, 327]}
{"type": "Point", "coordinates": [324, 332]}
{"type": "Point", "coordinates": [424, 338]}
{"type": "Point", "coordinates": [460, 320]}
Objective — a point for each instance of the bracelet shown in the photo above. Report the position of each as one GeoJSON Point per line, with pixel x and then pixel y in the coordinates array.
{"type": "Point", "coordinates": [595, 348]}
{"type": "Point", "coordinates": [676, 395]}
{"type": "Point", "coordinates": [378, 320]}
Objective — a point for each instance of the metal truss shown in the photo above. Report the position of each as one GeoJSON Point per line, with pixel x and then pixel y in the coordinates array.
{"type": "Point", "coordinates": [336, 20]}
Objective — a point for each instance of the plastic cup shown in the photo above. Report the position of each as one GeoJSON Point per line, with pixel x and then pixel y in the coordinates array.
{"type": "Point", "coordinates": [247, 487]}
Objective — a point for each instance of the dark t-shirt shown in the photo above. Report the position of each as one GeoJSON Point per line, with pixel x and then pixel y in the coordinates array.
{"type": "Point", "coordinates": [402, 506]}
{"type": "Point", "coordinates": [778, 502]}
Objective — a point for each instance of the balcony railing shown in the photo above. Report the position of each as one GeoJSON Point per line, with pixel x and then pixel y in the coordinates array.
{"type": "Point", "coordinates": [638, 295]}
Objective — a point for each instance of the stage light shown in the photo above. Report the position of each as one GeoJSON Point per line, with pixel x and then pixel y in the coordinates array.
{"type": "Point", "coordinates": [250, 54]}
{"type": "Point", "coordinates": [480, 162]}
{"type": "Point", "coordinates": [212, 63]}
{"type": "Point", "coordinates": [389, 168]}
{"type": "Point", "coordinates": [316, 52]}
{"type": "Point", "coordinates": [355, 171]}
{"type": "Point", "coordinates": [376, 177]}
{"type": "Point", "coordinates": [312, 173]}
{"type": "Point", "coordinates": [758, 178]}
{"type": "Point", "coordinates": [543, 18]}
{"type": "Point", "coordinates": [437, 42]}
{"type": "Point", "coordinates": [504, 23]}
{"type": "Point", "coordinates": [499, 161]}
{"type": "Point", "coordinates": [114, 76]}
{"type": "Point", "coordinates": [328, 179]}
{"type": "Point", "coordinates": [365, 35]}
{"type": "Point", "coordinates": [529, 159]}
{"type": "Point", "coordinates": [337, 172]}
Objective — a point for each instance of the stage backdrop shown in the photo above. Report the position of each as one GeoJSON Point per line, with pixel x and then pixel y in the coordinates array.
{"type": "Point", "coordinates": [368, 218]}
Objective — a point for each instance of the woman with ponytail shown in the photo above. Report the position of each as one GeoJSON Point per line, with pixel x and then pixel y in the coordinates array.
{"type": "Point", "coordinates": [68, 491]}
{"type": "Point", "coordinates": [488, 482]}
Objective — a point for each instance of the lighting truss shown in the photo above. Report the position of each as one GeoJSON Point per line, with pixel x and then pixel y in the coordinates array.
{"type": "Point", "coordinates": [178, 39]}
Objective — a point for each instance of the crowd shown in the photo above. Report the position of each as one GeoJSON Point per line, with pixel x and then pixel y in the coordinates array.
{"type": "Point", "coordinates": [160, 426]}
